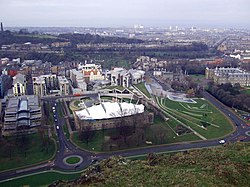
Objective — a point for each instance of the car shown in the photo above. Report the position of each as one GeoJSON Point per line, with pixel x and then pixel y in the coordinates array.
{"type": "Point", "coordinates": [55, 120]}
{"type": "Point", "coordinates": [222, 141]}
{"type": "Point", "coordinates": [57, 127]}
{"type": "Point", "coordinates": [93, 161]}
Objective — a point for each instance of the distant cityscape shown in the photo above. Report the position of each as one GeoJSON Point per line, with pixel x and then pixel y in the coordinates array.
{"type": "Point", "coordinates": [91, 93]}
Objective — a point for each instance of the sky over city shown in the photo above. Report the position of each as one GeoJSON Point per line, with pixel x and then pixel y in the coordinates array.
{"type": "Point", "coordinates": [118, 13]}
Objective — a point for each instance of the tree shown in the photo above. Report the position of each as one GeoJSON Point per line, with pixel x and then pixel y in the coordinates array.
{"type": "Point", "coordinates": [9, 148]}
{"type": "Point", "coordinates": [159, 133]}
{"type": "Point", "coordinates": [86, 134]}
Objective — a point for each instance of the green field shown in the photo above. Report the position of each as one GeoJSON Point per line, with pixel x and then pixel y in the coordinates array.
{"type": "Point", "coordinates": [41, 179]}
{"type": "Point", "coordinates": [143, 89]}
{"type": "Point", "coordinates": [14, 154]}
{"type": "Point", "coordinates": [202, 117]}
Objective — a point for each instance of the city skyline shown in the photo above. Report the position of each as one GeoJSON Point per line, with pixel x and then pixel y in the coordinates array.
{"type": "Point", "coordinates": [110, 13]}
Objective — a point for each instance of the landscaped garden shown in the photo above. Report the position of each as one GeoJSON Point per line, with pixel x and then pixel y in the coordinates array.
{"type": "Point", "coordinates": [129, 137]}
{"type": "Point", "coordinates": [201, 117]}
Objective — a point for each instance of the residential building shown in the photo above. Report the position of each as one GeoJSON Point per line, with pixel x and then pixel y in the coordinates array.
{"type": "Point", "coordinates": [39, 86]}
{"type": "Point", "coordinates": [50, 85]}
{"type": "Point", "coordinates": [22, 115]}
{"type": "Point", "coordinates": [63, 85]}
{"type": "Point", "coordinates": [91, 72]}
{"type": "Point", "coordinates": [19, 85]}
{"type": "Point", "coordinates": [77, 80]}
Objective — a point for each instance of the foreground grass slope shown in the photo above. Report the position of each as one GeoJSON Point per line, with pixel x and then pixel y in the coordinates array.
{"type": "Point", "coordinates": [228, 165]}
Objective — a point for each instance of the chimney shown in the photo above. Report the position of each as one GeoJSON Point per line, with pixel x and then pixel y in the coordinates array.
{"type": "Point", "coordinates": [1, 27]}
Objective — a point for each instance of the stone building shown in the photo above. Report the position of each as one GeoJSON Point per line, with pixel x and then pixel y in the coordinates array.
{"type": "Point", "coordinates": [228, 75]}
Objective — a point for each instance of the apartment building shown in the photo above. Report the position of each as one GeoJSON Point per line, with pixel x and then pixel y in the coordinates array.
{"type": "Point", "coordinates": [19, 85]}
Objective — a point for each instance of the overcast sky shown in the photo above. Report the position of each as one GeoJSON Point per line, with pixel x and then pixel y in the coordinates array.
{"type": "Point", "coordinates": [116, 13]}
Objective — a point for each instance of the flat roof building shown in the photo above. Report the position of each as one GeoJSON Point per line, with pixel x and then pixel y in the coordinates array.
{"type": "Point", "coordinates": [22, 115]}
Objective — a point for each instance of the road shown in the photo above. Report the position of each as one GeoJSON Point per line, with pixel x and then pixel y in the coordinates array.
{"type": "Point", "coordinates": [66, 148]}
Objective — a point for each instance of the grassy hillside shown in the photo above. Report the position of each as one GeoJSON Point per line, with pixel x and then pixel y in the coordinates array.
{"type": "Point", "coordinates": [228, 165]}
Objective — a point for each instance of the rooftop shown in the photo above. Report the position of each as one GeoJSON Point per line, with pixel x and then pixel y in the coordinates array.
{"type": "Point", "coordinates": [107, 110]}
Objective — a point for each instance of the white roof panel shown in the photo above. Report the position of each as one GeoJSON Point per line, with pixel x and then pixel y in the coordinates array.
{"type": "Point", "coordinates": [108, 110]}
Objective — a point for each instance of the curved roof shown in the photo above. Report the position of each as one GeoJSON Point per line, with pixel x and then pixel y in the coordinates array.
{"type": "Point", "coordinates": [108, 110]}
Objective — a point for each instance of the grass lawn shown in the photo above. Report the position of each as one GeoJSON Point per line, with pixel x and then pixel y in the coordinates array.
{"type": "Point", "coordinates": [66, 131]}
{"type": "Point", "coordinates": [73, 160]}
{"type": "Point", "coordinates": [59, 109]}
{"type": "Point", "coordinates": [150, 135]}
{"type": "Point", "coordinates": [97, 140]}
{"type": "Point", "coordinates": [42, 179]}
{"type": "Point", "coordinates": [33, 152]}
{"type": "Point", "coordinates": [197, 76]}
{"type": "Point", "coordinates": [196, 115]}
{"type": "Point", "coordinates": [246, 91]}
{"type": "Point", "coordinates": [143, 89]}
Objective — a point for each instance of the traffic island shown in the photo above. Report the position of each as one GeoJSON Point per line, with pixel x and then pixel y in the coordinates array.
{"type": "Point", "coordinates": [73, 160]}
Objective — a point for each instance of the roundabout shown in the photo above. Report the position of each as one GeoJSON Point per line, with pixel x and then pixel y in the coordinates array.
{"type": "Point", "coordinates": [73, 160]}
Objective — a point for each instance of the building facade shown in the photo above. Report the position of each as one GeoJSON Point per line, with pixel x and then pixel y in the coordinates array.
{"type": "Point", "coordinates": [228, 75]}
{"type": "Point", "coordinates": [91, 72]}
{"type": "Point", "coordinates": [78, 81]}
{"type": "Point", "coordinates": [63, 85]}
{"type": "Point", "coordinates": [138, 120]}
{"type": "Point", "coordinates": [50, 85]}
{"type": "Point", "coordinates": [19, 85]}
{"type": "Point", "coordinates": [125, 78]}
{"type": "Point", "coordinates": [22, 115]}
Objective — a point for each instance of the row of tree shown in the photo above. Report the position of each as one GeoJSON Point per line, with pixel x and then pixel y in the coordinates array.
{"type": "Point", "coordinates": [230, 95]}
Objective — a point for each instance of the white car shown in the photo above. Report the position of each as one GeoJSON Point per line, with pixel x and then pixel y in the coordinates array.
{"type": "Point", "coordinates": [57, 127]}
{"type": "Point", "coordinates": [222, 141]}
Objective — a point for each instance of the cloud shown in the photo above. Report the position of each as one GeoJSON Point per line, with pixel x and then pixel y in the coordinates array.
{"type": "Point", "coordinates": [122, 12]}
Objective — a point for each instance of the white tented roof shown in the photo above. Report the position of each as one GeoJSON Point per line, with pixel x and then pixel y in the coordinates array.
{"type": "Point", "coordinates": [108, 110]}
